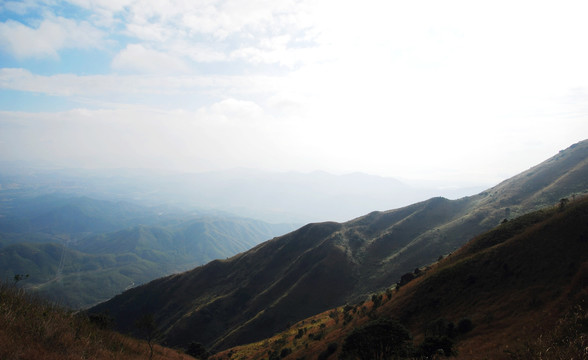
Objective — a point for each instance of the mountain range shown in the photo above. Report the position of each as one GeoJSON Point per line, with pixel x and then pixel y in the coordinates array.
{"type": "Point", "coordinates": [79, 251]}
{"type": "Point", "coordinates": [289, 197]}
{"type": "Point", "coordinates": [320, 266]}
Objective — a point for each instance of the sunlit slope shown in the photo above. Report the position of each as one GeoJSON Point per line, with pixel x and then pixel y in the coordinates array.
{"type": "Point", "coordinates": [521, 287]}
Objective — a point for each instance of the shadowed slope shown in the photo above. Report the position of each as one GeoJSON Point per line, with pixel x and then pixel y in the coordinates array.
{"type": "Point", "coordinates": [521, 289]}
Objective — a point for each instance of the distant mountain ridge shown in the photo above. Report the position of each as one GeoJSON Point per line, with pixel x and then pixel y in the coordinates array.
{"type": "Point", "coordinates": [289, 197]}
{"type": "Point", "coordinates": [79, 251]}
{"type": "Point", "coordinates": [64, 213]}
{"type": "Point", "coordinates": [319, 266]}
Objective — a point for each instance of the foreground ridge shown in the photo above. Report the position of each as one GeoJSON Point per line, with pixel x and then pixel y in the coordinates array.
{"type": "Point", "coordinates": [517, 292]}
{"type": "Point", "coordinates": [31, 328]}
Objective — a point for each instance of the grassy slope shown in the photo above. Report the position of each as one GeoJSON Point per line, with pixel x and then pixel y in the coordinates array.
{"type": "Point", "coordinates": [524, 285]}
{"type": "Point", "coordinates": [34, 329]}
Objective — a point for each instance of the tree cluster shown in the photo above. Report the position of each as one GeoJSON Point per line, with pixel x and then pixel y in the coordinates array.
{"type": "Point", "coordinates": [386, 339]}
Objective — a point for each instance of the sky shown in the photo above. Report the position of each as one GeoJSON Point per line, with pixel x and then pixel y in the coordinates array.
{"type": "Point", "coordinates": [455, 91]}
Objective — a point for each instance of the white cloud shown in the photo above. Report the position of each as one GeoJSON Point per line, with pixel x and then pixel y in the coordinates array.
{"type": "Point", "coordinates": [51, 36]}
{"type": "Point", "coordinates": [235, 112]}
{"type": "Point", "coordinates": [199, 52]}
{"type": "Point", "coordinates": [357, 84]}
{"type": "Point", "coordinates": [222, 134]}
{"type": "Point", "coordinates": [137, 58]}
{"type": "Point", "coordinates": [104, 87]}
{"type": "Point", "coordinates": [20, 7]}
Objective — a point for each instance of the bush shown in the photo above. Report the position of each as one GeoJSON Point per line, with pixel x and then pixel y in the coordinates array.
{"type": "Point", "coordinates": [198, 351]}
{"type": "Point", "coordinates": [102, 320]}
{"type": "Point", "coordinates": [377, 300]}
{"type": "Point", "coordinates": [440, 328]}
{"type": "Point", "coordinates": [465, 325]}
{"type": "Point", "coordinates": [380, 339]}
{"type": "Point", "coordinates": [406, 278]}
{"type": "Point", "coordinates": [435, 345]}
{"type": "Point", "coordinates": [328, 352]}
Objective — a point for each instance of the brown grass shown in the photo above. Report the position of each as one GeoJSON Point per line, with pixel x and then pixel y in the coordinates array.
{"type": "Point", "coordinates": [31, 328]}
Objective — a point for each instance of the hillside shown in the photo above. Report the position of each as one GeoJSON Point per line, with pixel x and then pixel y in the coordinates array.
{"type": "Point", "coordinates": [32, 329]}
{"type": "Point", "coordinates": [320, 266]}
{"type": "Point", "coordinates": [62, 243]}
{"type": "Point", "coordinates": [518, 291]}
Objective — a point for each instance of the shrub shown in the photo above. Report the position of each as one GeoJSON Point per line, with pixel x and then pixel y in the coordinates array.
{"type": "Point", "coordinates": [436, 345]}
{"type": "Point", "coordinates": [198, 351]}
{"type": "Point", "coordinates": [347, 318]}
{"type": "Point", "coordinates": [102, 320]}
{"type": "Point", "coordinates": [440, 328]}
{"type": "Point", "coordinates": [465, 325]}
{"type": "Point", "coordinates": [328, 352]}
{"type": "Point", "coordinates": [406, 278]}
{"type": "Point", "coordinates": [381, 339]}
{"type": "Point", "coordinates": [377, 300]}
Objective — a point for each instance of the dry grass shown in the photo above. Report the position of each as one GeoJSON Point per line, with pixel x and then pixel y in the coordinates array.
{"type": "Point", "coordinates": [516, 284]}
{"type": "Point", "coordinates": [31, 328]}
{"type": "Point", "coordinates": [568, 339]}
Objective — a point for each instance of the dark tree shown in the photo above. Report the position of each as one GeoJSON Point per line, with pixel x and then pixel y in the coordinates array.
{"type": "Point", "coordinates": [328, 352]}
{"type": "Point", "coordinates": [435, 345]}
{"type": "Point", "coordinates": [20, 277]}
{"type": "Point", "coordinates": [378, 340]}
{"type": "Point", "coordinates": [101, 320]}
{"type": "Point", "coordinates": [441, 327]}
{"type": "Point", "coordinates": [406, 278]}
{"type": "Point", "coordinates": [465, 325]}
{"type": "Point", "coordinates": [563, 202]}
{"type": "Point", "coordinates": [146, 326]}
{"type": "Point", "coordinates": [198, 351]}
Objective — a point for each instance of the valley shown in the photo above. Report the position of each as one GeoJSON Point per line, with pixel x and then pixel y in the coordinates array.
{"type": "Point", "coordinates": [80, 251]}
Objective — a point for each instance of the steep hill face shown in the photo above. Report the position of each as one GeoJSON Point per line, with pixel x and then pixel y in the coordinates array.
{"type": "Point", "coordinates": [320, 266]}
{"type": "Point", "coordinates": [516, 281]}
{"type": "Point", "coordinates": [518, 291]}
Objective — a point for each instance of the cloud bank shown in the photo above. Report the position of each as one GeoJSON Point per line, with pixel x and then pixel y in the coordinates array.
{"type": "Point", "coordinates": [454, 90]}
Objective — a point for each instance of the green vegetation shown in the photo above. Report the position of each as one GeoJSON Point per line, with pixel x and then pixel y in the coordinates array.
{"type": "Point", "coordinates": [57, 244]}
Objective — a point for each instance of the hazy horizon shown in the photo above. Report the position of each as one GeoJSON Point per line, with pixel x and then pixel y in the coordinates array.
{"type": "Point", "coordinates": [452, 93]}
